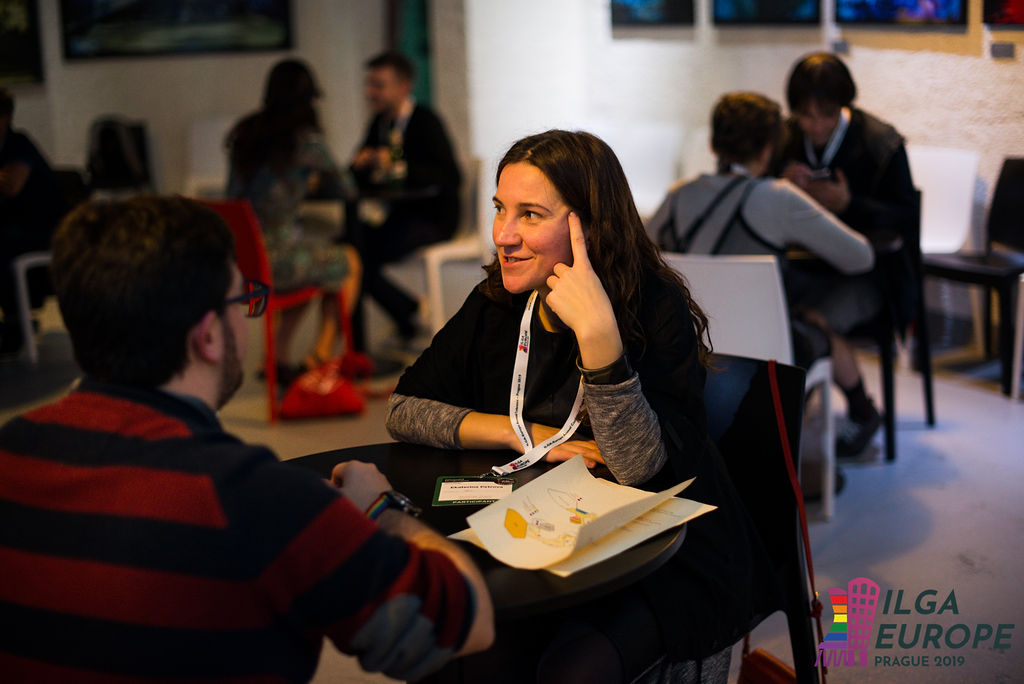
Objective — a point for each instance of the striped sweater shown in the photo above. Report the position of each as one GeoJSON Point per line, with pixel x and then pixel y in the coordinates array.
{"type": "Point", "coordinates": [140, 542]}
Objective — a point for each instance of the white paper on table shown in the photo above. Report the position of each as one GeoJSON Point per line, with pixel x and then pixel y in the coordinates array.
{"type": "Point", "coordinates": [565, 509]}
{"type": "Point", "coordinates": [664, 516]}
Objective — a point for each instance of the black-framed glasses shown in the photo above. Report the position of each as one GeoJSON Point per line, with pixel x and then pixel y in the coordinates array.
{"type": "Point", "coordinates": [255, 298]}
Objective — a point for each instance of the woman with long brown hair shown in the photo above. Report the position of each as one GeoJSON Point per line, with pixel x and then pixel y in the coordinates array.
{"type": "Point", "coordinates": [279, 156]}
{"type": "Point", "coordinates": [605, 353]}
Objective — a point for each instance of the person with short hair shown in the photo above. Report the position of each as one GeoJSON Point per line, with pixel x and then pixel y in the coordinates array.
{"type": "Point", "coordinates": [405, 146]}
{"type": "Point", "coordinates": [31, 205]}
{"type": "Point", "coordinates": [855, 165]}
{"type": "Point", "coordinates": [614, 350]}
{"type": "Point", "coordinates": [140, 541]}
{"type": "Point", "coordinates": [737, 211]}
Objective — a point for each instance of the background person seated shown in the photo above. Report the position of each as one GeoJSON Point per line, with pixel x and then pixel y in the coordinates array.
{"type": "Point", "coordinates": [140, 542]}
{"type": "Point", "coordinates": [278, 156]}
{"type": "Point", "coordinates": [405, 147]}
{"type": "Point", "coordinates": [735, 211]}
{"type": "Point", "coordinates": [31, 205]}
{"type": "Point", "coordinates": [854, 165]}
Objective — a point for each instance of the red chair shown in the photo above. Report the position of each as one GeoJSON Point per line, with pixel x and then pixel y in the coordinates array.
{"type": "Point", "coordinates": [251, 253]}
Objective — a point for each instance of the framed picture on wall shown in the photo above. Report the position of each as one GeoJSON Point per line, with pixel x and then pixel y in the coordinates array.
{"type": "Point", "coordinates": [162, 27]}
{"type": "Point", "coordinates": [741, 12]}
{"type": "Point", "coordinates": [21, 55]}
{"type": "Point", "coordinates": [1004, 12]}
{"type": "Point", "coordinates": [909, 12]}
{"type": "Point", "coordinates": [652, 12]}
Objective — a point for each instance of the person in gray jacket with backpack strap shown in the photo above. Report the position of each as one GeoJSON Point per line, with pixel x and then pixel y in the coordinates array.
{"type": "Point", "coordinates": [737, 211]}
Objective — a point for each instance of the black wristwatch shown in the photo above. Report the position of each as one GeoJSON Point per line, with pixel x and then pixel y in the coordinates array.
{"type": "Point", "coordinates": [392, 499]}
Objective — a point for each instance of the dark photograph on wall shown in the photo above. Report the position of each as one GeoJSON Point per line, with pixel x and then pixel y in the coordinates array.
{"type": "Point", "coordinates": [766, 11]}
{"type": "Point", "coordinates": [21, 56]}
{"type": "Point", "coordinates": [162, 27]}
{"type": "Point", "coordinates": [922, 12]}
{"type": "Point", "coordinates": [1004, 12]}
{"type": "Point", "coordinates": [652, 12]}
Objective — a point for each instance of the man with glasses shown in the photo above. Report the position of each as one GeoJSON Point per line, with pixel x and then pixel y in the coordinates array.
{"type": "Point", "coordinates": [139, 540]}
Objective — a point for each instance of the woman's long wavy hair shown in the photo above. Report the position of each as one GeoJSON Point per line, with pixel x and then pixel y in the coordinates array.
{"type": "Point", "coordinates": [588, 176]}
{"type": "Point", "coordinates": [271, 135]}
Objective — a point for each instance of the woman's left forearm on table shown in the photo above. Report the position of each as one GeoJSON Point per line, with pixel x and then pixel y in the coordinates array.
{"type": "Point", "coordinates": [423, 421]}
{"type": "Point", "coordinates": [626, 429]}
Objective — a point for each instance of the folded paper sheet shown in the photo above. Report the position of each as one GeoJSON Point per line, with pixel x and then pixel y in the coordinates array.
{"type": "Point", "coordinates": [556, 519]}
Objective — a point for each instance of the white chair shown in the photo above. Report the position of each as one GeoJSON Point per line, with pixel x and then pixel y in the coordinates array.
{"type": "Point", "coordinates": [748, 316]}
{"type": "Point", "coordinates": [207, 174]}
{"type": "Point", "coordinates": [21, 265]}
{"type": "Point", "coordinates": [946, 177]}
{"type": "Point", "coordinates": [1018, 340]}
{"type": "Point", "coordinates": [471, 243]}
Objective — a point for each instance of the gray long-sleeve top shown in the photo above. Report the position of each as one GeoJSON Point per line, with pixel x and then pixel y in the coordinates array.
{"type": "Point", "coordinates": [625, 427]}
{"type": "Point", "coordinates": [778, 211]}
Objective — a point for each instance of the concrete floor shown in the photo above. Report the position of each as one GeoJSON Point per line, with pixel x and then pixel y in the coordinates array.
{"type": "Point", "coordinates": [947, 516]}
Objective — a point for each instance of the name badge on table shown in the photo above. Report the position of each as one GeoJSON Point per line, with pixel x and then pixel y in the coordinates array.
{"type": "Point", "coordinates": [466, 490]}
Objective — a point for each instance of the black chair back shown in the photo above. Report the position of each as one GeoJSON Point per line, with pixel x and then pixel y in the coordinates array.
{"type": "Point", "coordinates": [1006, 215]}
{"type": "Point", "coordinates": [742, 423]}
{"type": "Point", "coordinates": [118, 155]}
{"type": "Point", "coordinates": [73, 187]}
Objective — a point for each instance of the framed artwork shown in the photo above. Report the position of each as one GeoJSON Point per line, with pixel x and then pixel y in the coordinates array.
{"type": "Point", "coordinates": [908, 12]}
{"type": "Point", "coordinates": [21, 55]}
{"type": "Point", "coordinates": [161, 27]}
{"type": "Point", "coordinates": [652, 12]}
{"type": "Point", "coordinates": [741, 12]}
{"type": "Point", "coordinates": [1004, 12]}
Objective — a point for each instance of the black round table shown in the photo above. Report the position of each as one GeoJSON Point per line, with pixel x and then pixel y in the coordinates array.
{"type": "Point", "coordinates": [413, 470]}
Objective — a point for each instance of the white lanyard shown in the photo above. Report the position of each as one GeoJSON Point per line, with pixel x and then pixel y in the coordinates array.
{"type": "Point", "coordinates": [834, 141]}
{"type": "Point", "coordinates": [517, 394]}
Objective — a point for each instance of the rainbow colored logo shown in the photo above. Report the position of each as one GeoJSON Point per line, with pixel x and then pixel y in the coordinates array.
{"type": "Point", "coordinates": [853, 611]}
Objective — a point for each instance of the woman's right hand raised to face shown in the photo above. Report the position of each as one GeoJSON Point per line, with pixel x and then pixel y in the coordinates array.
{"type": "Point", "coordinates": [579, 300]}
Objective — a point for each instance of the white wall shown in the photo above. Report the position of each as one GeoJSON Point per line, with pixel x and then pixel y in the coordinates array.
{"type": "Point", "coordinates": [169, 92]}
{"type": "Point", "coordinates": [504, 69]}
{"type": "Point", "coordinates": [536, 64]}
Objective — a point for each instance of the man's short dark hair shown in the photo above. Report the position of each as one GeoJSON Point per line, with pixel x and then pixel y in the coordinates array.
{"type": "Point", "coordinates": [820, 77]}
{"type": "Point", "coordinates": [132, 277]}
{"type": "Point", "coordinates": [394, 60]}
{"type": "Point", "coordinates": [6, 102]}
{"type": "Point", "coordinates": [742, 124]}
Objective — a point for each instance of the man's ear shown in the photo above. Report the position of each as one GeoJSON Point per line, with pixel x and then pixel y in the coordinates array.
{"type": "Point", "coordinates": [206, 338]}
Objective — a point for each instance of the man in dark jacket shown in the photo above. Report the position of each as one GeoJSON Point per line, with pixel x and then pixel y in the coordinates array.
{"type": "Point", "coordinates": [855, 166]}
{"type": "Point", "coordinates": [407, 150]}
{"type": "Point", "coordinates": [30, 207]}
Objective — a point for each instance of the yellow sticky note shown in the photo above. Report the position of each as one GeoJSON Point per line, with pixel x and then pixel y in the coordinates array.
{"type": "Point", "coordinates": [515, 524]}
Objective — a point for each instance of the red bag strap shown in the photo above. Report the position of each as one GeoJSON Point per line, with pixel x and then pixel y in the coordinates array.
{"type": "Point", "coordinates": [794, 481]}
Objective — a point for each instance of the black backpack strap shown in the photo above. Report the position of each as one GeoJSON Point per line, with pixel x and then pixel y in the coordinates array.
{"type": "Point", "coordinates": [736, 215]}
{"type": "Point", "coordinates": [682, 244]}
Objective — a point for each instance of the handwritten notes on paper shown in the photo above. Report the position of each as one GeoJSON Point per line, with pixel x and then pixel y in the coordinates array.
{"type": "Point", "coordinates": [567, 519]}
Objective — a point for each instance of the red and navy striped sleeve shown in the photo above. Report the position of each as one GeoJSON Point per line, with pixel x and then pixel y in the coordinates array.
{"type": "Point", "coordinates": [134, 547]}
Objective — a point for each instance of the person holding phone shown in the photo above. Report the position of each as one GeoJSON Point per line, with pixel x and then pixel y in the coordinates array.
{"type": "Point", "coordinates": [851, 162]}
{"type": "Point", "coordinates": [855, 165]}
{"type": "Point", "coordinates": [600, 346]}
{"type": "Point", "coordinates": [738, 211]}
